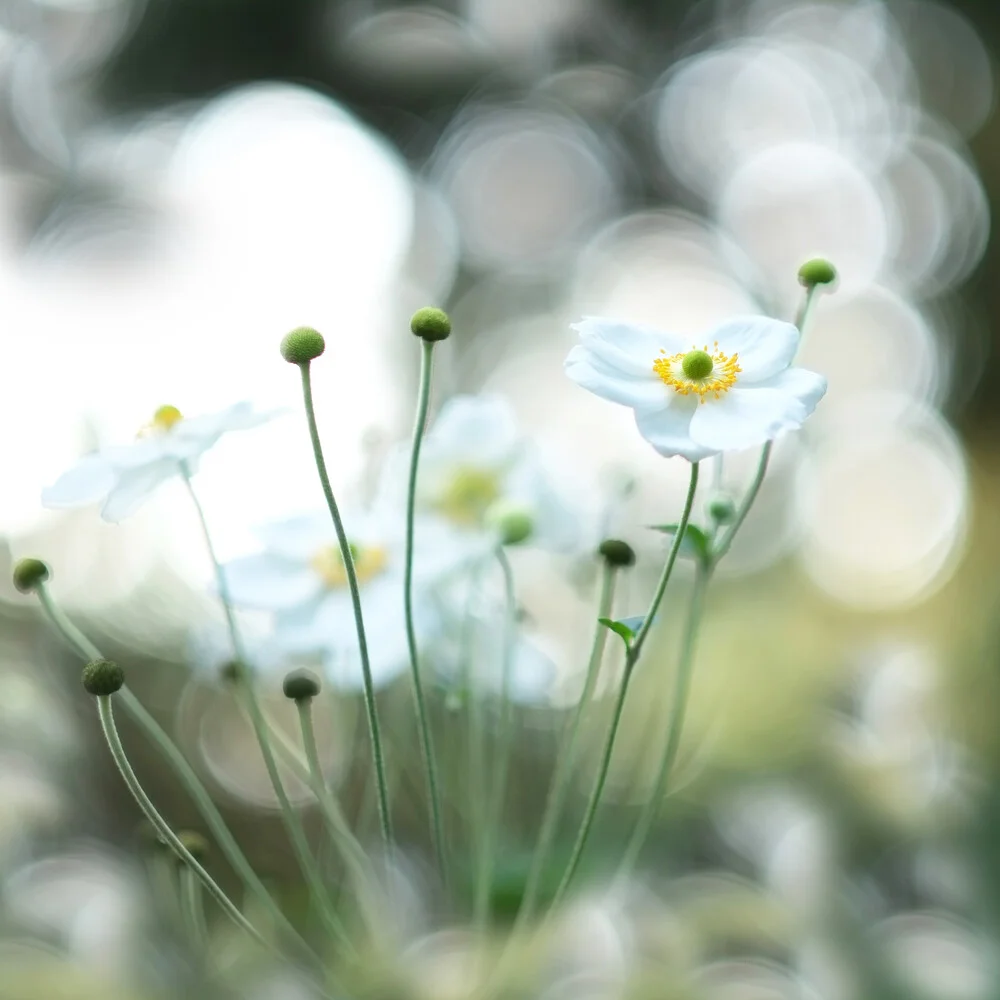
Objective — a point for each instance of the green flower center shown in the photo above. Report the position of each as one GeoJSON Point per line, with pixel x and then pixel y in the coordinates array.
{"type": "Point", "coordinates": [697, 364]}
{"type": "Point", "coordinates": [467, 495]}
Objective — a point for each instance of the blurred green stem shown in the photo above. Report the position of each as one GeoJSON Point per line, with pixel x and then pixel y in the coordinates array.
{"type": "Point", "coordinates": [378, 757]}
{"type": "Point", "coordinates": [678, 708]}
{"type": "Point", "coordinates": [163, 830]}
{"type": "Point", "coordinates": [566, 757]}
{"type": "Point", "coordinates": [631, 658]}
{"type": "Point", "coordinates": [193, 908]}
{"type": "Point", "coordinates": [293, 823]}
{"type": "Point", "coordinates": [185, 773]}
{"type": "Point", "coordinates": [502, 749]}
{"type": "Point", "coordinates": [744, 508]}
{"type": "Point", "coordinates": [420, 705]}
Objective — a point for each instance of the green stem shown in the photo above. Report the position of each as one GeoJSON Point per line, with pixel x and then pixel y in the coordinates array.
{"type": "Point", "coordinates": [631, 658]}
{"type": "Point", "coordinates": [385, 818]}
{"type": "Point", "coordinates": [748, 501]}
{"type": "Point", "coordinates": [193, 908]}
{"type": "Point", "coordinates": [106, 713]}
{"type": "Point", "coordinates": [805, 310]}
{"type": "Point", "coordinates": [350, 849]}
{"type": "Point", "coordinates": [566, 757]}
{"type": "Point", "coordinates": [502, 750]}
{"type": "Point", "coordinates": [423, 724]}
{"type": "Point", "coordinates": [682, 686]}
{"type": "Point", "coordinates": [184, 772]}
{"type": "Point", "coordinates": [293, 824]}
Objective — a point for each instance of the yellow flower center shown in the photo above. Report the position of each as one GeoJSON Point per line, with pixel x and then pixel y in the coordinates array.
{"type": "Point", "coordinates": [468, 494]}
{"type": "Point", "coordinates": [163, 420]}
{"type": "Point", "coordinates": [369, 561]}
{"type": "Point", "coordinates": [698, 371]}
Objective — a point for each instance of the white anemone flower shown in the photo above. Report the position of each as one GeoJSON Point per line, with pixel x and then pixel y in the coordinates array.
{"type": "Point", "coordinates": [126, 476]}
{"type": "Point", "coordinates": [734, 391]}
{"type": "Point", "coordinates": [300, 577]}
{"type": "Point", "coordinates": [475, 463]}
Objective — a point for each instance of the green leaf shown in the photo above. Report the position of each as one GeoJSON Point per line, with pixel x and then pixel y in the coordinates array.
{"type": "Point", "coordinates": [695, 545]}
{"type": "Point", "coordinates": [619, 628]}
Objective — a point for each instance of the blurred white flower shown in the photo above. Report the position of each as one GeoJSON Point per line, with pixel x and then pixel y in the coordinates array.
{"type": "Point", "coordinates": [475, 462]}
{"type": "Point", "coordinates": [735, 391]}
{"type": "Point", "coordinates": [125, 476]}
{"type": "Point", "coordinates": [301, 578]}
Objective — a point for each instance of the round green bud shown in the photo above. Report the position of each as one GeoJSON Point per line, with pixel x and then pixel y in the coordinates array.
{"type": "Point", "coordinates": [29, 573]}
{"type": "Point", "coordinates": [617, 553]}
{"type": "Point", "coordinates": [196, 844]}
{"type": "Point", "coordinates": [103, 677]}
{"type": "Point", "coordinates": [721, 508]}
{"type": "Point", "coordinates": [697, 364]}
{"type": "Point", "coordinates": [300, 685]}
{"type": "Point", "coordinates": [302, 345]}
{"type": "Point", "coordinates": [511, 521]}
{"type": "Point", "coordinates": [817, 272]}
{"type": "Point", "coordinates": [431, 324]}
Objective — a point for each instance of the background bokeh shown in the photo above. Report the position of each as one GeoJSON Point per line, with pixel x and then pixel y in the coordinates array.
{"type": "Point", "coordinates": [182, 181]}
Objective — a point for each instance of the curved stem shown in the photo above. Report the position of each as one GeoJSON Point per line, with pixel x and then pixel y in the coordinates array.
{"type": "Point", "coordinates": [502, 749]}
{"type": "Point", "coordinates": [682, 686]}
{"type": "Point", "coordinates": [423, 724]}
{"type": "Point", "coordinates": [631, 658]}
{"type": "Point", "coordinates": [748, 501]}
{"type": "Point", "coordinates": [293, 824]}
{"type": "Point", "coordinates": [106, 714]}
{"type": "Point", "coordinates": [378, 758]}
{"type": "Point", "coordinates": [192, 907]}
{"type": "Point", "coordinates": [566, 756]}
{"type": "Point", "coordinates": [348, 845]}
{"type": "Point", "coordinates": [185, 774]}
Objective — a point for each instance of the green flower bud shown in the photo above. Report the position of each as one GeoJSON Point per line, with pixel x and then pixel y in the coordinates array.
{"type": "Point", "coordinates": [103, 677]}
{"type": "Point", "coordinates": [721, 508]}
{"type": "Point", "coordinates": [617, 553]}
{"type": "Point", "coordinates": [232, 670]}
{"type": "Point", "coordinates": [300, 685]}
{"type": "Point", "coordinates": [817, 272]}
{"type": "Point", "coordinates": [196, 844]}
{"type": "Point", "coordinates": [431, 324]}
{"type": "Point", "coordinates": [512, 521]}
{"type": "Point", "coordinates": [29, 573]}
{"type": "Point", "coordinates": [302, 345]}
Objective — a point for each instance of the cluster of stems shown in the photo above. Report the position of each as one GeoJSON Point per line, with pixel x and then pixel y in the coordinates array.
{"type": "Point", "coordinates": [302, 758]}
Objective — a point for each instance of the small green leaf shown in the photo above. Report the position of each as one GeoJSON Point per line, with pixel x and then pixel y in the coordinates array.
{"type": "Point", "coordinates": [695, 545]}
{"type": "Point", "coordinates": [619, 628]}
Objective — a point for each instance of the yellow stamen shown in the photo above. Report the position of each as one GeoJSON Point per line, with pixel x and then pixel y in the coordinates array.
{"type": "Point", "coordinates": [468, 495]}
{"type": "Point", "coordinates": [720, 378]}
{"type": "Point", "coordinates": [163, 420]}
{"type": "Point", "coordinates": [369, 561]}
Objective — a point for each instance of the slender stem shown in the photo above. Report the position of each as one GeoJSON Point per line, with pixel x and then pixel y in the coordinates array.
{"type": "Point", "coordinates": [348, 845]}
{"type": "Point", "coordinates": [805, 310]}
{"type": "Point", "coordinates": [185, 773]}
{"type": "Point", "coordinates": [106, 713]}
{"type": "Point", "coordinates": [635, 649]}
{"type": "Point", "coordinates": [748, 501]}
{"type": "Point", "coordinates": [374, 730]}
{"type": "Point", "coordinates": [631, 658]}
{"type": "Point", "coordinates": [502, 750]}
{"type": "Point", "coordinates": [682, 686]}
{"type": "Point", "coordinates": [193, 908]}
{"type": "Point", "coordinates": [566, 757]}
{"type": "Point", "coordinates": [423, 724]}
{"type": "Point", "coordinates": [293, 823]}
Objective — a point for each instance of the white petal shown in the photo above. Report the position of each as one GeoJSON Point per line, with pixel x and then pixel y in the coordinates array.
{"type": "Point", "coordinates": [89, 480]}
{"type": "Point", "coordinates": [746, 417]}
{"type": "Point", "coordinates": [134, 488]}
{"type": "Point", "coordinates": [765, 346]}
{"type": "Point", "coordinates": [271, 582]}
{"type": "Point", "coordinates": [587, 369]}
{"type": "Point", "coordinates": [190, 438]}
{"type": "Point", "coordinates": [629, 348]}
{"type": "Point", "coordinates": [669, 430]}
{"type": "Point", "coordinates": [481, 430]}
{"type": "Point", "coordinates": [298, 538]}
{"type": "Point", "coordinates": [144, 451]}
